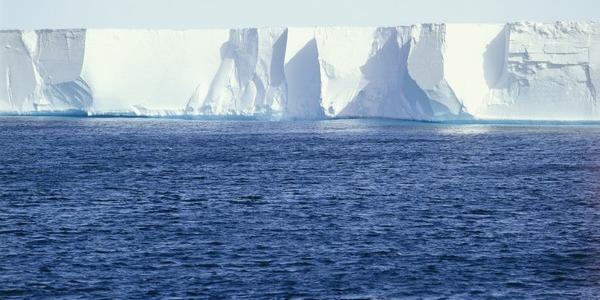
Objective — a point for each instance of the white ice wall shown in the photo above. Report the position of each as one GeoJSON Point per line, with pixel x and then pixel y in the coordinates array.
{"type": "Point", "coordinates": [17, 74]}
{"type": "Point", "coordinates": [152, 72]}
{"type": "Point", "coordinates": [41, 71]}
{"type": "Point", "coordinates": [473, 62]}
{"type": "Point", "coordinates": [383, 72]}
{"type": "Point", "coordinates": [250, 79]}
{"type": "Point", "coordinates": [550, 73]}
{"type": "Point", "coordinates": [423, 72]}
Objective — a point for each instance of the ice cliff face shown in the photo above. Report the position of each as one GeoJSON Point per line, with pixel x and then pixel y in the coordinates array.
{"type": "Point", "coordinates": [422, 72]}
{"type": "Point", "coordinates": [250, 80]}
{"type": "Point", "coordinates": [42, 71]}
{"type": "Point", "coordinates": [149, 72]}
{"type": "Point", "coordinates": [381, 72]}
{"type": "Point", "coordinates": [551, 72]}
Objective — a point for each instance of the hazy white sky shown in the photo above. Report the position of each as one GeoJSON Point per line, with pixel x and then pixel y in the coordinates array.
{"type": "Point", "coordinates": [31, 14]}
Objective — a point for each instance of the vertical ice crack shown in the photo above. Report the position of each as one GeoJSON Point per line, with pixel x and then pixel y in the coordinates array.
{"type": "Point", "coordinates": [588, 71]}
{"type": "Point", "coordinates": [9, 87]}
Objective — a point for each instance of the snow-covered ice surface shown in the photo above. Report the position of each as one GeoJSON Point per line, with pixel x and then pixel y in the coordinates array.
{"type": "Point", "coordinates": [515, 71]}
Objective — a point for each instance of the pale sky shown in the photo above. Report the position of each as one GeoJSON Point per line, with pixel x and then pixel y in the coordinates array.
{"type": "Point", "coordinates": [35, 14]}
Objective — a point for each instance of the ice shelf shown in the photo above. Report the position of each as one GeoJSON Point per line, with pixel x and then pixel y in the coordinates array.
{"type": "Point", "coordinates": [434, 72]}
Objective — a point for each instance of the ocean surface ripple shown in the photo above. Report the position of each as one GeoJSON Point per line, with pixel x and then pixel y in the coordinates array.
{"type": "Point", "coordinates": [340, 209]}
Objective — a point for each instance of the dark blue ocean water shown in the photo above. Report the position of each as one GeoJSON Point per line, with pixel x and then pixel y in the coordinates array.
{"type": "Point", "coordinates": [345, 209]}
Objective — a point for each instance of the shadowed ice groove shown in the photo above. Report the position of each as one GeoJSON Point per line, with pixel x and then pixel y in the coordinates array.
{"type": "Point", "coordinates": [426, 67]}
{"type": "Point", "coordinates": [494, 54]}
{"type": "Point", "coordinates": [303, 76]}
{"type": "Point", "coordinates": [390, 91]}
{"type": "Point", "coordinates": [382, 94]}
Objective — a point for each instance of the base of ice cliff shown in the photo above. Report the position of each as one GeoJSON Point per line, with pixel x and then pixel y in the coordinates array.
{"type": "Point", "coordinates": [515, 71]}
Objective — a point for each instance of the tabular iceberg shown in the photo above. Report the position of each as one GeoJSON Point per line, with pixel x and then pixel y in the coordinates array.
{"type": "Point", "coordinates": [527, 71]}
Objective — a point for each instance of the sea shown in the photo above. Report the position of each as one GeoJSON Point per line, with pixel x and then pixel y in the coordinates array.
{"type": "Point", "coordinates": [143, 208]}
